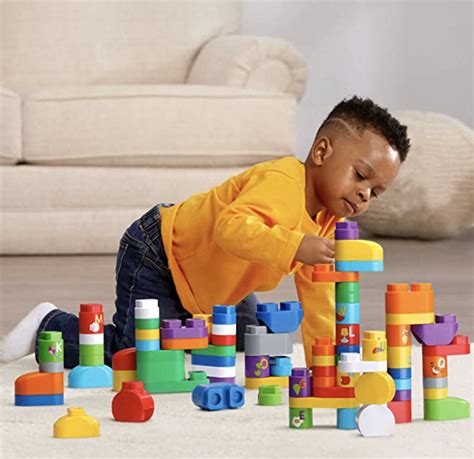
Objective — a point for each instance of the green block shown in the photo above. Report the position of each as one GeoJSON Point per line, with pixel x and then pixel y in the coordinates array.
{"type": "Point", "coordinates": [301, 418]}
{"type": "Point", "coordinates": [347, 292]}
{"type": "Point", "coordinates": [270, 395]}
{"type": "Point", "coordinates": [221, 351]}
{"type": "Point", "coordinates": [91, 360]}
{"type": "Point", "coordinates": [160, 366]}
{"type": "Point", "coordinates": [147, 324]}
{"type": "Point", "coordinates": [446, 409]}
{"type": "Point", "coordinates": [170, 387]}
{"type": "Point", "coordinates": [91, 349]}
{"type": "Point", "coordinates": [50, 347]}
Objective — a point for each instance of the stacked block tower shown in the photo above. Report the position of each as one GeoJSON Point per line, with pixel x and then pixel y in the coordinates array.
{"type": "Point", "coordinates": [267, 346]}
{"type": "Point", "coordinates": [45, 387]}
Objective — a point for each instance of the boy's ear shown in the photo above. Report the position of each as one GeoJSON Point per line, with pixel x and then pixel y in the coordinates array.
{"type": "Point", "coordinates": [321, 150]}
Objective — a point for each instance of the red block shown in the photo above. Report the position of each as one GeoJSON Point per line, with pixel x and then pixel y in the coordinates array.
{"type": "Point", "coordinates": [133, 403]}
{"type": "Point", "coordinates": [458, 346]}
{"type": "Point", "coordinates": [223, 340]}
{"type": "Point", "coordinates": [126, 359]}
{"type": "Point", "coordinates": [347, 334]}
{"type": "Point", "coordinates": [333, 392]}
{"type": "Point", "coordinates": [91, 319]}
{"type": "Point", "coordinates": [324, 371]}
{"type": "Point", "coordinates": [401, 410]}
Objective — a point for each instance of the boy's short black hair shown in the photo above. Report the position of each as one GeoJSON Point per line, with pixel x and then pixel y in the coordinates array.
{"type": "Point", "coordinates": [365, 114]}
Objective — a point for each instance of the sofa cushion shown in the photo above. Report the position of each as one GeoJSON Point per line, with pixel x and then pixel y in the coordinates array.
{"type": "Point", "coordinates": [157, 125]}
{"type": "Point", "coordinates": [10, 127]}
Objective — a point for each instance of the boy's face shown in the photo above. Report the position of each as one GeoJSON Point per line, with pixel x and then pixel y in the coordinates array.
{"type": "Point", "coordinates": [348, 171]}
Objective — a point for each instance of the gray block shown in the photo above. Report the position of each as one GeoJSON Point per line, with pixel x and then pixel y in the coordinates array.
{"type": "Point", "coordinates": [51, 367]}
{"type": "Point", "coordinates": [259, 342]}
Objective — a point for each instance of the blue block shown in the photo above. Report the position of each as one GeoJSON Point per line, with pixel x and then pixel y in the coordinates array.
{"type": "Point", "coordinates": [224, 315]}
{"type": "Point", "coordinates": [403, 384]}
{"type": "Point", "coordinates": [341, 349]}
{"type": "Point", "coordinates": [82, 377]}
{"type": "Point", "coordinates": [348, 313]}
{"type": "Point", "coordinates": [148, 345]}
{"type": "Point", "coordinates": [283, 319]}
{"type": "Point", "coordinates": [213, 360]}
{"type": "Point", "coordinates": [280, 366]}
{"type": "Point", "coordinates": [39, 400]}
{"type": "Point", "coordinates": [400, 373]}
{"type": "Point", "coordinates": [359, 266]}
{"type": "Point", "coordinates": [218, 396]}
{"type": "Point", "coordinates": [346, 418]}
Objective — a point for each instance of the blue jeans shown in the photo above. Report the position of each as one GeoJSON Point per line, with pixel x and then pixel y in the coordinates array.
{"type": "Point", "coordinates": [141, 272]}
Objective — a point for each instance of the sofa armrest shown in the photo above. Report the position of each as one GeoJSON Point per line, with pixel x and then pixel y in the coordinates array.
{"type": "Point", "coordinates": [261, 63]}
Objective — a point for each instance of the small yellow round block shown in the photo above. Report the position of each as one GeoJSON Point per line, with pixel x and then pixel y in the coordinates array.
{"type": "Point", "coordinates": [374, 388]}
{"type": "Point", "coordinates": [147, 334]}
{"type": "Point", "coordinates": [435, 394]}
{"type": "Point", "coordinates": [76, 424]}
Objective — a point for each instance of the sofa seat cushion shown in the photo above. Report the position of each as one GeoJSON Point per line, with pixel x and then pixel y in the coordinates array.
{"type": "Point", "coordinates": [10, 127]}
{"type": "Point", "coordinates": [157, 125]}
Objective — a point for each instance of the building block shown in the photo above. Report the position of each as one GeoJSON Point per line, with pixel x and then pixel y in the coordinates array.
{"type": "Point", "coordinates": [402, 384]}
{"type": "Point", "coordinates": [173, 329]}
{"type": "Point", "coordinates": [351, 363]}
{"type": "Point", "coordinates": [458, 346]}
{"type": "Point", "coordinates": [147, 324]}
{"type": "Point", "coordinates": [215, 372]}
{"type": "Point", "coordinates": [301, 418]}
{"type": "Point", "coordinates": [323, 371]}
{"type": "Point", "coordinates": [346, 230]}
{"type": "Point", "coordinates": [345, 379]}
{"type": "Point", "coordinates": [435, 393]}
{"type": "Point", "coordinates": [300, 383]}
{"type": "Point", "coordinates": [161, 366]}
{"type": "Point", "coordinates": [418, 298]}
{"type": "Point", "coordinates": [375, 421]}
{"type": "Point", "coordinates": [207, 319]}
{"type": "Point", "coordinates": [333, 392]}
{"type": "Point", "coordinates": [124, 366]}
{"type": "Point", "coordinates": [39, 400]}
{"type": "Point", "coordinates": [349, 348]}
{"type": "Point", "coordinates": [133, 403]}
{"type": "Point", "coordinates": [440, 333]}
{"type": "Point", "coordinates": [323, 360]}
{"type": "Point", "coordinates": [217, 351]}
{"type": "Point", "coordinates": [222, 396]}
{"type": "Point", "coordinates": [446, 409]}
{"type": "Point", "coordinates": [374, 346]}
{"type": "Point", "coordinates": [280, 366]}
{"type": "Point", "coordinates": [319, 402]}
{"type": "Point", "coordinates": [323, 381]}
{"type": "Point", "coordinates": [323, 345]}
{"type": "Point", "coordinates": [435, 366]}
{"type": "Point", "coordinates": [255, 383]}
{"type": "Point", "coordinates": [221, 380]}
{"type": "Point", "coordinates": [347, 292]}
{"type": "Point", "coordinates": [148, 345]}
{"type": "Point", "coordinates": [257, 366]}
{"type": "Point", "coordinates": [77, 424]}
{"type": "Point", "coordinates": [222, 340]}
{"type": "Point", "coordinates": [347, 313]}
{"type": "Point", "coordinates": [400, 373]}
{"type": "Point", "coordinates": [147, 334]}
{"type": "Point", "coordinates": [346, 418]}
{"type": "Point", "coordinates": [402, 395]}
{"type": "Point", "coordinates": [410, 319]}
{"type": "Point", "coordinates": [374, 388]}
{"type": "Point", "coordinates": [224, 315]}
{"type": "Point", "coordinates": [169, 387]}
{"type": "Point", "coordinates": [121, 376]}
{"type": "Point", "coordinates": [358, 250]}
{"type": "Point", "coordinates": [225, 330]}
{"type": "Point", "coordinates": [82, 377]}
{"type": "Point", "coordinates": [259, 342]}
{"type": "Point", "coordinates": [398, 335]}
{"type": "Point", "coordinates": [284, 318]}
{"type": "Point", "coordinates": [147, 309]}
{"type": "Point", "coordinates": [270, 395]}
{"type": "Point", "coordinates": [185, 344]}
{"type": "Point", "coordinates": [327, 273]}
{"type": "Point", "coordinates": [50, 352]}
{"type": "Point", "coordinates": [39, 383]}
{"type": "Point", "coordinates": [213, 361]}
{"type": "Point", "coordinates": [399, 356]}
{"type": "Point", "coordinates": [435, 383]}
{"type": "Point", "coordinates": [360, 266]}
{"type": "Point", "coordinates": [401, 410]}
{"type": "Point", "coordinates": [347, 335]}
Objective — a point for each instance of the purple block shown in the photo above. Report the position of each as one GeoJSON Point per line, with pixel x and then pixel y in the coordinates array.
{"type": "Point", "coordinates": [438, 334]}
{"type": "Point", "coordinates": [300, 383]}
{"type": "Point", "coordinates": [172, 329]}
{"type": "Point", "coordinates": [221, 380]}
{"type": "Point", "coordinates": [257, 366]}
{"type": "Point", "coordinates": [347, 230]}
{"type": "Point", "coordinates": [402, 395]}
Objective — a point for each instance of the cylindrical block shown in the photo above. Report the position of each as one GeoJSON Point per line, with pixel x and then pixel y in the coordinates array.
{"type": "Point", "coordinates": [300, 383]}
{"type": "Point", "coordinates": [91, 335]}
{"type": "Point", "coordinates": [435, 366]}
{"type": "Point", "coordinates": [374, 346]}
{"type": "Point", "coordinates": [257, 366]}
{"type": "Point", "coordinates": [347, 335]}
{"type": "Point", "coordinates": [346, 230]}
{"type": "Point", "coordinates": [51, 352]}
{"type": "Point", "coordinates": [347, 292]}
{"type": "Point", "coordinates": [301, 418]}
{"type": "Point", "coordinates": [398, 335]}
{"type": "Point", "coordinates": [347, 313]}
{"type": "Point", "coordinates": [147, 325]}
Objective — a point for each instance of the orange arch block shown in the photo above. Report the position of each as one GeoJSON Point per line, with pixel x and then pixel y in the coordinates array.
{"type": "Point", "coordinates": [37, 383]}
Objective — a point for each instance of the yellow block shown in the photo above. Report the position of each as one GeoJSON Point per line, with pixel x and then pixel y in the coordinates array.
{"type": "Point", "coordinates": [119, 376]}
{"type": "Point", "coordinates": [255, 383]}
{"type": "Point", "coordinates": [435, 394]}
{"type": "Point", "coordinates": [76, 424]}
{"type": "Point", "coordinates": [323, 360]}
{"type": "Point", "coordinates": [374, 388]}
{"type": "Point", "coordinates": [346, 379]}
{"type": "Point", "coordinates": [399, 357]}
{"type": "Point", "coordinates": [358, 250]}
{"type": "Point", "coordinates": [319, 402]}
{"type": "Point", "coordinates": [410, 319]}
{"type": "Point", "coordinates": [374, 346]}
{"type": "Point", "coordinates": [147, 334]}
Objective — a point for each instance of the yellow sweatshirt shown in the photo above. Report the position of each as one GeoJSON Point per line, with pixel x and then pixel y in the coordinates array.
{"type": "Point", "coordinates": [242, 236]}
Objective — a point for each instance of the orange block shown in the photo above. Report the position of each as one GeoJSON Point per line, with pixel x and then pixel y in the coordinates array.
{"type": "Point", "coordinates": [416, 299]}
{"type": "Point", "coordinates": [184, 344]}
{"type": "Point", "coordinates": [326, 273]}
{"type": "Point", "coordinates": [398, 335]}
{"type": "Point", "coordinates": [126, 359]}
{"type": "Point", "coordinates": [435, 366]}
{"type": "Point", "coordinates": [324, 381]}
{"type": "Point", "coordinates": [37, 383]}
{"type": "Point", "coordinates": [323, 345]}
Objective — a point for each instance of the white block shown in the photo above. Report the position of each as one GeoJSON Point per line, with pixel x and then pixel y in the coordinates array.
{"type": "Point", "coordinates": [147, 309]}
{"type": "Point", "coordinates": [350, 362]}
{"type": "Point", "coordinates": [224, 330]}
{"type": "Point", "coordinates": [91, 339]}
{"type": "Point", "coordinates": [375, 421]}
{"type": "Point", "coordinates": [215, 372]}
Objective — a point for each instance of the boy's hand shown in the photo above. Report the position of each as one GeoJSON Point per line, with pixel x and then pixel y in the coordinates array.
{"type": "Point", "coordinates": [314, 250]}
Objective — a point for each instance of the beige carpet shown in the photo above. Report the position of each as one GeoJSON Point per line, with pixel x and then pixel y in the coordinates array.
{"type": "Point", "coordinates": [179, 429]}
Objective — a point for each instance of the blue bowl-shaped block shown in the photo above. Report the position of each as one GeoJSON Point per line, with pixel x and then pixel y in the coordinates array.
{"type": "Point", "coordinates": [285, 319]}
{"type": "Point", "coordinates": [82, 377]}
{"type": "Point", "coordinates": [39, 400]}
{"type": "Point", "coordinates": [359, 266]}
{"type": "Point", "coordinates": [213, 360]}
{"type": "Point", "coordinates": [218, 396]}
{"type": "Point", "coordinates": [346, 418]}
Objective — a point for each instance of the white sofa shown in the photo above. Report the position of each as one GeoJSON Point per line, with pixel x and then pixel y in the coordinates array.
{"type": "Point", "coordinates": [108, 107]}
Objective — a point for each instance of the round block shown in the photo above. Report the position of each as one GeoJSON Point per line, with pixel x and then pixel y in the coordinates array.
{"type": "Point", "coordinates": [435, 366]}
{"type": "Point", "coordinates": [374, 388]}
{"type": "Point", "coordinates": [133, 403]}
{"type": "Point", "coordinates": [91, 319]}
{"type": "Point", "coordinates": [347, 292]}
{"type": "Point", "coordinates": [50, 347]}
{"type": "Point", "coordinates": [375, 421]}
{"type": "Point", "coordinates": [323, 345]}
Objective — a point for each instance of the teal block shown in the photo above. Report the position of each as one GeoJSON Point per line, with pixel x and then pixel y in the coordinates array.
{"type": "Point", "coordinates": [82, 377]}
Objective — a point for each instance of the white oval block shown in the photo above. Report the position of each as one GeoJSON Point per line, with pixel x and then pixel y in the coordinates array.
{"type": "Point", "coordinates": [350, 362]}
{"type": "Point", "coordinates": [147, 309]}
{"type": "Point", "coordinates": [224, 330]}
{"type": "Point", "coordinates": [375, 421]}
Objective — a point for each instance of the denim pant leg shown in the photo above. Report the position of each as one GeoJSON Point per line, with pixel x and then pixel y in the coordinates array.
{"type": "Point", "coordinates": [246, 315]}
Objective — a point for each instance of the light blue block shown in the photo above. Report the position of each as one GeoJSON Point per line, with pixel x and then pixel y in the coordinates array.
{"type": "Point", "coordinates": [280, 366]}
{"type": "Point", "coordinates": [346, 418]}
{"type": "Point", "coordinates": [359, 266]}
{"type": "Point", "coordinates": [82, 377]}
{"type": "Point", "coordinates": [39, 400]}
{"type": "Point", "coordinates": [350, 312]}
{"type": "Point", "coordinates": [403, 384]}
{"type": "Point", "coordinates": [148, 345]}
